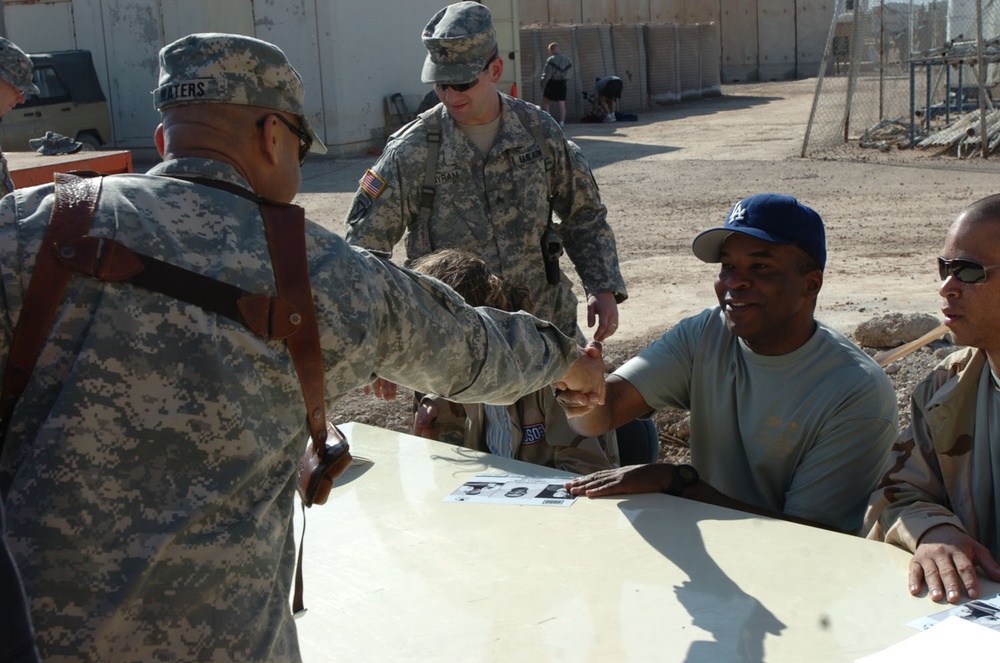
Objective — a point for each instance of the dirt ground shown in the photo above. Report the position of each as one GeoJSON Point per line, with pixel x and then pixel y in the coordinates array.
{"type": "Point", "coordinates": [679, 170]}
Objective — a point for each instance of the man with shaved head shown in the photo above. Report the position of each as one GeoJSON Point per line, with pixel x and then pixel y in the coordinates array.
{"type": "Point", "coordinates": [940, 496]}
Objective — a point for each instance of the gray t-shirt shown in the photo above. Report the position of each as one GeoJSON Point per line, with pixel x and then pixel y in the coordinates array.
{"type": "Point", "coordinates": [805, 434]}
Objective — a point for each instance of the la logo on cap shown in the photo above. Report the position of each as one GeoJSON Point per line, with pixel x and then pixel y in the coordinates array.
{"type": "Point", "coordinates": [738, 213]}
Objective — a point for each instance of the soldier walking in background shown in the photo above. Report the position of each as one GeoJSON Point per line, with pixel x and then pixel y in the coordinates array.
{"type": "Point", "coordinates": [554, 76]}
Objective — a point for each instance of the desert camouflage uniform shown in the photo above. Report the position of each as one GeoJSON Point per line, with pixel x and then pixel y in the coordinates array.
{"type": "Point", "coordinates": [150, 461]}
{"type": "Point", "coordinates": [495, 206]}
{"type": "Point", "coordinates": [930, 477]}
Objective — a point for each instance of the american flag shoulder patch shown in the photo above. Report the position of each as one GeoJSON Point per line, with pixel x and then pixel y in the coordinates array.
{"type": "Point", "coordinates": [372, 184]}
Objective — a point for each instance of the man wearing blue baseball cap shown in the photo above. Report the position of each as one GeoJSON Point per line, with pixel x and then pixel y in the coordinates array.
{"type": "Point", "coordinates": [788, 417]}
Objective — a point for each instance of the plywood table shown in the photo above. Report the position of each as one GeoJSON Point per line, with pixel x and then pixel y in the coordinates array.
{"type": "Point", "coordinates": [31, 168]}
{"type": "Point", "coordinates": [394, 573]}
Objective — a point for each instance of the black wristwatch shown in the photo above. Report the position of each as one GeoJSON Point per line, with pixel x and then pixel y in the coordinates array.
{"type": "Point", "coordinates": [683, 477]}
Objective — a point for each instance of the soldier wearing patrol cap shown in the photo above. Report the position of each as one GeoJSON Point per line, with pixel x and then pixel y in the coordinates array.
{"type": "Point", "coordinates": [147, 469]}
{"type": "Point", "coordinates": [502, 164]}
{"type": "Point", "coordinates": [15, 84]}
{"type": "Point", "coordinates": [483, 172]}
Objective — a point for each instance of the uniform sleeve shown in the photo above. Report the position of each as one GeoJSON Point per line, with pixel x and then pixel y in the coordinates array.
{"type": "Point", "coordinates": [910, 497]}
{"type": "Point", "coordinates": [663, 370]}
{"type": "Point", "coordinates": [588, 239]}
{"type": "Point", "coordinates": [379, 213]}
{"type": "Point", "coordinates": [377, 319]}
{"type": "Point", "coordinates": [836, 476]}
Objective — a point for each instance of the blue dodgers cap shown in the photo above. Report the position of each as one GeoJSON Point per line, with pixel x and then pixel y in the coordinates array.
{"type": "Point", "coordinates": [770, 217]}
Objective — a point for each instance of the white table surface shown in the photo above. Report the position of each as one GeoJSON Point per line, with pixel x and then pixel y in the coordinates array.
{"type": "Point", "coordinates": [394, 573]}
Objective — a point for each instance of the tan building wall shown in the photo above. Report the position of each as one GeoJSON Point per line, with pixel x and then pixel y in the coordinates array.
{"type": "Point", "coordinates": [351, 54]}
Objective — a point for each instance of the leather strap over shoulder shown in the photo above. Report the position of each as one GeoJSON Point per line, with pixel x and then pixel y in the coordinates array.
{"type": "Point", "coordinates": [108, 260]}
{"type": "Point", "coordinates": [285, 231]}
{"type": "Point", "coordinates": [72, 215]}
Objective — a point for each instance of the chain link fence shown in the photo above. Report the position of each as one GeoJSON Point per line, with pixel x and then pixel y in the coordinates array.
{"type": "Point", "coordinates": [906, 74]}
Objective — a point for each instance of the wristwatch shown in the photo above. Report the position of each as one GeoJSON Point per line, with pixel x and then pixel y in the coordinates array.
{"type": "Point", "coordinates": [683, 477]}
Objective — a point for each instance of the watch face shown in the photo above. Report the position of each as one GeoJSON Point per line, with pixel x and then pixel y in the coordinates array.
{"type": "Point", "coordinates": [687, 474]}
{"type": "Point", "coordinates": [684, 476]}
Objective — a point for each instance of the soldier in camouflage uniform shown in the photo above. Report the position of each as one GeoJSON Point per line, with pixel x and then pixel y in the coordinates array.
{"type": "Point", "coordinates": [493, 181]}
{"type": "Point", "coordinates": [939, 497]}
{"type": "Point", "coordinates": [553, 82]}
{"type": "Point", "coordinates": [15, 84]}
{"type": "Point", "coordinates": [502, 167]}
{"type": "Point", "coordinates": [148, 469]}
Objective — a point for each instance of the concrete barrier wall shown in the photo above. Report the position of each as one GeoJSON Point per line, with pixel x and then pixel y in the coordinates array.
{"type": "Point", "coordinates": [756, 39]}
{"type": "Point", "coordinates": [660, 64]}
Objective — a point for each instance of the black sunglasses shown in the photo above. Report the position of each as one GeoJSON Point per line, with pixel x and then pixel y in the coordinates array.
{"type": "Point", "coordinates": [462, 87]}
{"type": "Point", "coordinates": [305, 140]}
{"type": "Point", "coordinates": [966, 271]}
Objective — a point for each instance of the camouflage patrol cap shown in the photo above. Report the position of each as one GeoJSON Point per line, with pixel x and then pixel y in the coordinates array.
{"type": "Point", "coordinates": [231, 69]}
{"type": "Point", "coordinates": [15, 67]}
{"type": "Point", "coordinates": [460, 39]}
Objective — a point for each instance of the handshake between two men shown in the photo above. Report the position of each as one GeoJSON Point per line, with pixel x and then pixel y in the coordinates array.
{"type": "Point", "coordinates": [581, 389]}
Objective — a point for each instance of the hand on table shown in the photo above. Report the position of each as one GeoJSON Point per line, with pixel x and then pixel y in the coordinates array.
{"type": "Point", "coordinates": [602, 309]}
{"type": "Point", "coordinates": [945, 560]}
{"type": "Point", "coordinates": [629, 480]}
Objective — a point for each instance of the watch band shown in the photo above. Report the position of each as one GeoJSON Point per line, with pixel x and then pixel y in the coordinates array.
{"type": "Point", "coordinates": [683, 477]}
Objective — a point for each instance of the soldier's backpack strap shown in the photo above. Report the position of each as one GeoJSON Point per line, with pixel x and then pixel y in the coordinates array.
{"type": "Point", "coordinates": [432, 120]}
{"type": "Point", "coordinates": [534, 125]}
{"type": "Point", "coordinates": [552, 244]}
{"type": "Point", "coordinates": [73, 215]}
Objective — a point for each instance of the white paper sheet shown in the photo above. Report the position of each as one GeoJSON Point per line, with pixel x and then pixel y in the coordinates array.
{"type": "Point", "coordinates": [985, 612]}
{"type": "Point", "coordinates": [513, 489]}
{"type": "Point", "coordinates": [952, 639]}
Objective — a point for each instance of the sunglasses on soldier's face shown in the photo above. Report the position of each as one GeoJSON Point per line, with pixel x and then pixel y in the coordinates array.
{"type": "Point", "coordinates": [463, 87]}
{"type": "Point", "coordinates": [305, 140]}
{"type": "Point", "coordinates": [966, 271]}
